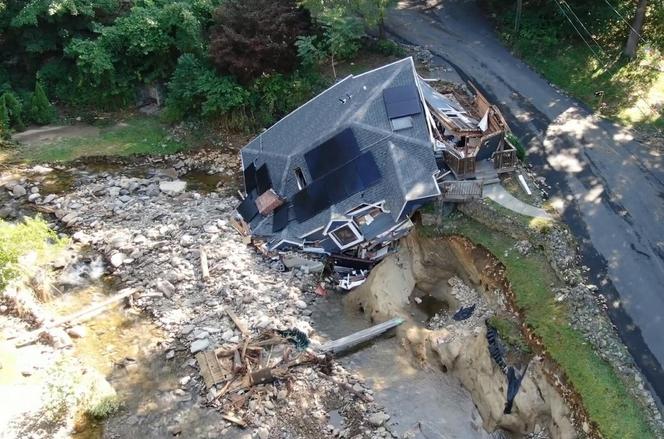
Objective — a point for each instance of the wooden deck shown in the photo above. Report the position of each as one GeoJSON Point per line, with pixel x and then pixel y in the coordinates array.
{"type": "Point", "coordinates": [461, 190]}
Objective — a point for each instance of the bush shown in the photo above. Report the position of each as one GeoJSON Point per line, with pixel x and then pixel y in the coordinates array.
{"type": "Point", "coordinates": [520, 150]}
{"type": "Point", "coordinates": [387, 47]}
{"type": "Point", "coordinates": [196, 89]}
{"type": "Point", "coordinates": [19, 239]}
{"type": "Point", "coordinates": [41, 111]}
{"type": "Point", "coordinates": [4, 119]}
{"type": "Point", "coordinates": [14, 111]}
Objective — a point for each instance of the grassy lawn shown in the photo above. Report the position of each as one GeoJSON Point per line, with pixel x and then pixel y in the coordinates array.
{"type": "Point", "coordinates": [604, 395]}
{"type": "Point", "coordinates": [136, 135]}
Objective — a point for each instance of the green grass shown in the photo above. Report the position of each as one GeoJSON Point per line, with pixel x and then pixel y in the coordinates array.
{"type": "Point", "coordinates": [137, 135]}
{"type": "Point", "coordinates": [633, 91]}
{"type": "Point", "coordinates": [18, 239]}
{"type": "Point", "coordinates": [509, 332]}
{"type": "Point", "coordinates": [607, 401]}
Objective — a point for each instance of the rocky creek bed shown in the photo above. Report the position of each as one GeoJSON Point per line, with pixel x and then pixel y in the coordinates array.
{"type": "Point", "coordinates": [150, 218]}
{"type": "Point", "coordinates": [149, 227]}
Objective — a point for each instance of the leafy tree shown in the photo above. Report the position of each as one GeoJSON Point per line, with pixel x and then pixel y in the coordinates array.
{"type": "Point", "coordinates": [635, 29]}
{"type": "Point", "coordinates": [253, 37]}
{"type": "Point", "coordinates": [14, 110]}
{"type": "Point", "coordinates": [196, 89]}
{"type": "Point", "coordinates": [41, 111]}
{"type": "Point", "coordinates": [4, 119]}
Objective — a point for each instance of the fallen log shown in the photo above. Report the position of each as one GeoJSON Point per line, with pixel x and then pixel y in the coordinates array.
{"type": "Point", "coordinates": [79, 316]}
{"type": "Point", "coordinates": [344, 343]}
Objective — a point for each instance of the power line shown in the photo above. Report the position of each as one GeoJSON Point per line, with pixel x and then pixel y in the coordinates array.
{"type": "Point", "coordinates": [564, 2]}
{"type": "Point", "coordinates": [575, 28]}
{"type": "Point", "coordinates": [627, 22]}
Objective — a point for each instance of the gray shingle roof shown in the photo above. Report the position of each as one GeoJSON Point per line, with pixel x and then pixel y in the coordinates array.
{"type": "Point", "coordinates": [405, 158]}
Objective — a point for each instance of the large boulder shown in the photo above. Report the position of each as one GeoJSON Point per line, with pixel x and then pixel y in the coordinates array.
{"type": "Point", "coordinates": [174, 187]}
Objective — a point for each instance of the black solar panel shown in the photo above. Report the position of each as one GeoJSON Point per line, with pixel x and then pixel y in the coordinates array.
{"type": "Point", "coordinates": [248, 209]}
{"type": "Point", "coordinates": [402, 101]}
{"type": "Point", "coordinates": [250, 178]}
{"type": "Point", "coordinates": [280, 218]}
{"type": "Point", "coordinates": [336, 186]}
{"type": "Point", "coordinates": [332, 153]}
{"type": "Point", "coordinates": [263, 181]}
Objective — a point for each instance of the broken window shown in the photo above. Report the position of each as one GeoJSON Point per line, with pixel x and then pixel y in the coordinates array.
{"type": "Point", "coordinates": [301, 181]}
{"type": "Point", "coordinates": [346, 236]}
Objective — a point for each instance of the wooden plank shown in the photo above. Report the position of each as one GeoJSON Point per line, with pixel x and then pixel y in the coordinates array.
{"type": "Point", "coordinates": [205, 271]}
{"type": "Point", "coordinates": [211, 368]}
{"type": "Point", "coordinates": [239, 323]}
{"type": "Point", "coordinates": [344, 343]}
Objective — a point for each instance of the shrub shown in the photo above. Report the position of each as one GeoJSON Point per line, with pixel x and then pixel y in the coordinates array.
{"type": "Point", "coordinates": [41, 111]}
{"type": "Point", "coordinates": [196, 89]}
{"type": "Point", "coordinates": [520, 150]}
{"type": "Point", "coordinates": [14, 110]}
{"type": "Point", "coordinates": [4, 119]}
{"type": "Point", "coordinates": [253, 37]}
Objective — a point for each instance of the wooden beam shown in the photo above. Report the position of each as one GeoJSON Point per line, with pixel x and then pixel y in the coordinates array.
{"type": "Point", "coordinates": [344, 343]}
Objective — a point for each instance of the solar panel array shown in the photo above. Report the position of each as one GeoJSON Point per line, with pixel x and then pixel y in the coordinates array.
{"type": "Point", "coordinates": [402, 101]}
{"type": "Point", "coordinates": [337, 185]}
{"type": "Point", "coordinates": [332, 154]}
{"type": "Point", "coordinates": [250, 178]}
{"type": "Point", "coordinates": [248, 209]}
{"type": "Point", "coordinates": [263, 182]}
{"type": "Point", "coordinates": [280, 218]}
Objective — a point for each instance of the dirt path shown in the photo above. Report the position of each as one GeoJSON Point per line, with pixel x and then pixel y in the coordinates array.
{"type": "Point", "coordinates": [607, 186]}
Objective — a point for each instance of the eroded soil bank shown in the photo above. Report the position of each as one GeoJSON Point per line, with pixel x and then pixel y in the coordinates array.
{"type": "Point", "coordinates": [455, 272]}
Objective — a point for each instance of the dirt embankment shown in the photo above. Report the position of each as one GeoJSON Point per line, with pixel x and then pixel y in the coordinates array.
{"type": "Point", "coordinates": [461, 348]}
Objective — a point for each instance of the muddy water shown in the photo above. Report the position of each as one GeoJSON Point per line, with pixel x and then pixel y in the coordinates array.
{"type": "Point", "coordinates": [424, 402]}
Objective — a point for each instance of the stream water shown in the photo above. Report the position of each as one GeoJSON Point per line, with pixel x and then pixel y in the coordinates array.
{"type": "Point", "coordinates": [422, 402]}
{"type": "Point", "coordinates": [129, 350]}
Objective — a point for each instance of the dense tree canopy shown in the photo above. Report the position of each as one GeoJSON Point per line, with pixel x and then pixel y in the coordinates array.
{"type": "Point", "coordinates": [253, 37]}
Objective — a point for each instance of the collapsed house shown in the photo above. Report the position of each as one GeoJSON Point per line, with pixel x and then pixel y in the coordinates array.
{"type": "Point", "coordinates": [342, 174]}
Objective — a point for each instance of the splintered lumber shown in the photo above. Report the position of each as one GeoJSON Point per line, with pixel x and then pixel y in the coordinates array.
{"type": "Point", "coordinates": [211, 369]}
{"type": "Point", "coordinates": [79, 316]}
{"type": "Point", "coordinates": [239, 323]}
{"type": "Point", "coordinates": [344, 343]}
{"type": "Point", "coordinates": [205, 271]}
{"type": "Point", "coordinates": [234, 419]}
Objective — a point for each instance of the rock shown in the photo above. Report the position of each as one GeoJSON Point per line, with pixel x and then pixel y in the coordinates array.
{"type": "Point", "coordinates": [41, 170]}
{"type": "Point", "coordinates": [301, 304]}
{"type": "Point", "coordinates": [117, 259]}
{"type": "Point", "coordinates": [186, 240]}
{"type": "Point", "coordinates": [18, 191]}
{"type": "Point", "coordinates": [174, 187]}
{"type": "Point", "coordinates": [227, 335]}
{"type": "Point", "coordinates": [165, 287]}
{"type": "Point", "coordinates": [124, 198]}
{"type": "Point", "coordinates": [174, 430]}
{"type": "Point", "coordinates": [77, 331]}
{"type": "Point", "coordinates": [170, 354]}
{"type": "Point", "coordinates": [185, 380]}
{"type": "Point", "coordinates": [377, 419]}
{"type": "Point", "coordinates": [200, 345]}
{"type": "Point", "coordinates": [50, 197]}
{"type": "Point", "coordinates": [33, 197]}
{"type": "Point", "coordinates": [263, 433]}
{"type": "Point", "coordinates": [114, 191]}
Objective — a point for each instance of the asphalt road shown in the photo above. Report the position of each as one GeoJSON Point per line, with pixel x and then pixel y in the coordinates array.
{"type": "Point", "coordinates": [608, 187]}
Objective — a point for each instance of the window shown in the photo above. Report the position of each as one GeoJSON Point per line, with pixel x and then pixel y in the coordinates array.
{"type": "Point", "coordinates": [401, 123]}
{"type": "Point", "coordinates": [301, 181]}
{"type": "Point", "coordinates": [346, 236]}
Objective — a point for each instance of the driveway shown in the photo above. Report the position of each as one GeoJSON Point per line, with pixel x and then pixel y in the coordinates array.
{"type": "Point", "coordinates": [608, 188]}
